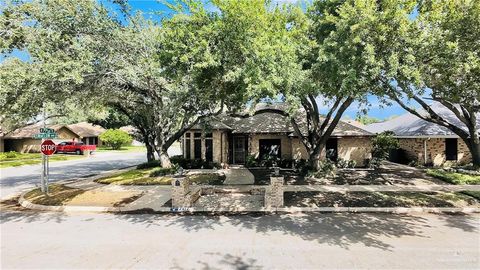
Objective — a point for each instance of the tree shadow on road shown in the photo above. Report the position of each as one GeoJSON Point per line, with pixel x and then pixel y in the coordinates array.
{"type": "Point", "coordinates": [341, 230]}
{"type": "Point", "coordinates": [11, 211]}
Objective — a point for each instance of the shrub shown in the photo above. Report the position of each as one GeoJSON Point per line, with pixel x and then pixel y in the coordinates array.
{"type": "Point", "coordinates": [163, 171]}
{"type": "Point", "coordinates": [342, 163]}
{"type": "Point", "coordinates": [352, 164]}
{"type": "Point", "coordinates": [383, 143]}
{"type": "Point", "coordinates": [180, 161]}
{"type": "Point", "coordinates": [11, 154]}
{"type": "Point", "coordinates": [286, 163]}
{"type": "Point", "coordinates": [150, 164]}
{"type": "Point", "coordinates": [115, 138]}
{"type": "Point", "coordinates": [251, 161]}
{"type": "Point", "coordinates": [302, 166]}
{"type": "Point", "coordinates": [327, 168]}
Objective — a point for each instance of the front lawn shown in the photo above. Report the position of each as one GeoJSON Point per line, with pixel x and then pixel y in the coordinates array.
{"type": "Point", "coordinates": [455, 177]}
{"type": "Point", "coordinates": [14, 159]}
{"type": "Point", "coordinates": [58, 195]}
{"type": "Point", "coordinates": [378, 199]}
{"type": "Point", "coordinates": [158, 176]}
{"type": "Point", "coordinates": [136, 177]}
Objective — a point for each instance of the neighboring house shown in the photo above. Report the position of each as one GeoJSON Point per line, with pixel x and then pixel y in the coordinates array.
{"type": "Point", "coordinates": [230, 139]}
{"type": "Point", "coordinates": [89, 133]}
{"type": "Point", "coordinates": [22, 140]}
{"type": "Point", "coordinates": [426, 142]}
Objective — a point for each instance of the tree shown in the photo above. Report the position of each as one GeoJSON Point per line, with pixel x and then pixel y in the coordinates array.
{"type": "Point", "coordinates": [366, 120]}
{"type": "Point", "coordinates": [338, 62]}
{"type": "Point", "coordinates": [444, 66]}
{"type": "Point", "coordinates": [382, 144]}
{"type": "Point", "coordinates": [115, 138]}
{"type": "Point", "coordinates": [191, 66]}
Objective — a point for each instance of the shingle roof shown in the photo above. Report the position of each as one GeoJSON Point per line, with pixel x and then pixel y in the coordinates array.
{"type": "Point", "coordinates": [30, 131]}
{"type": "Point", "coordinates": [85, 129]}
{"type": "Point", "coordinates": [266, 121]}
{"type": "Point", "coordinates": [409, 125]}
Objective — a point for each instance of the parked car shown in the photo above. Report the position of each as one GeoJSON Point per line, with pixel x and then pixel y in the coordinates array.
{"type": "Point", "coordinates": [75, 147]}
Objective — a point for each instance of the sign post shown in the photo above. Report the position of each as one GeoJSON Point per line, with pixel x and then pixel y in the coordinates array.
{"type": "Point", "coordinates": [47, 148]}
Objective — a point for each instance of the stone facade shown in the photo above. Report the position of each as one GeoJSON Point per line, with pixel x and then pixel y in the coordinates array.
{"type": "Point", "coordinates": [274, 193]}
{"type": "Point", "coordinates": [349, 148]}
{"type": "Point", "coordinates": [434, 149]}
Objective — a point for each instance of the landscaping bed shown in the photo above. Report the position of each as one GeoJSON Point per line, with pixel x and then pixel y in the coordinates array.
{"type": "Point", "coordinates": [455, 178]}
{"type": "Point", "coordinates": [378, 199]}
{"type": "Point", "coordinates": [262, 176]}
{"type": "Point", "coordinates": [58, 195]}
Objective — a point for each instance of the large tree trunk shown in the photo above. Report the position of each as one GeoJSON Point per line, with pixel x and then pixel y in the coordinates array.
{"type": "Point", "coordinates": [150, 152]}
{"type": "Point", "coordinates": [474, 148]}
{"type": "Point", "coordinates": [315, 157]}
{"type": "Point", "coordinates": [164, 158]}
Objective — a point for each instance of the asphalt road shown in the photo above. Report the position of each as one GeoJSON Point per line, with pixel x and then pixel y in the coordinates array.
{"type": "Point", "coordinates": [14, 180]}
{"type": "Point", "coordinates": [302, 241]}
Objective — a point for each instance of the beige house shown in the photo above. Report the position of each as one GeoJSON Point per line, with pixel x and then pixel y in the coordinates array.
{"type": "Point", "coordinates": [230, 139]}
{"type": "Point", "coordinates": [88, 133]}
{"type": "Point", "coordinates": [426, 142]}
{"type": "Point", "coordinates": [22, 140]}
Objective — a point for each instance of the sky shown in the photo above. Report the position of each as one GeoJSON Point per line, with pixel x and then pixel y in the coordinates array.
{"type": "Point", "coordinates": [151, 8]}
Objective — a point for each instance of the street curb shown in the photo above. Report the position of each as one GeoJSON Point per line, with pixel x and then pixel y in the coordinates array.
{"type": "Point", "coordinates": [122, 209]}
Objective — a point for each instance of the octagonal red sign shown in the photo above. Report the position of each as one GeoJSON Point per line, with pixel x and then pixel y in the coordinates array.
{"type": "Point", "coordinates": [48, 147]}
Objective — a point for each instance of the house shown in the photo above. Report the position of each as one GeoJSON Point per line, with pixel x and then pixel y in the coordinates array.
{"type": "Point", "coordinates": [22, 140]}
{"type": "Point", "coordinates": [426, 142]}
{"type": "Point", "coordinates": [264, 133]}
{"type": "Point", "coordinates": [89, 133]}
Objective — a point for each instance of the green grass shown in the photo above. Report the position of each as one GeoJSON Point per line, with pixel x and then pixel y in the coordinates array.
{"type": "Point", "coordinates": [122, 149]}
{"type": "Point", "coordinates": [207, 178]}
{"type": "Point", "coordinates": [136, 177]}
{"type": "Point", "coordinates": [20, 159]}
{"type": "Point", "coordinates": [146, 177]}
{"type": "Point", "coordinates": [58, 195]}
{"type": "Point", "coordinates": [455, 178]}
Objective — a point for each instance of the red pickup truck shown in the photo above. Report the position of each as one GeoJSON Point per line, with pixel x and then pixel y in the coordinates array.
{"type": "Point", "coordinates": [75, 147]}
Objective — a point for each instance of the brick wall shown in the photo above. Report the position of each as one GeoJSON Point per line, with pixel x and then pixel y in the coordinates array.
{"type": "Point", "coordinates": [415, 148]}
{"type": "Point", "coordinates": [355, 148]}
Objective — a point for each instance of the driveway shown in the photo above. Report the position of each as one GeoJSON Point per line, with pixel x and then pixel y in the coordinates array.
{"type": "Point", "coordinates": [302, 241]}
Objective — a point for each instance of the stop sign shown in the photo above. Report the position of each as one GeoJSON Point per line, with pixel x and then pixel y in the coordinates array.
{"type": "Point", "coordinates": [48, 147]}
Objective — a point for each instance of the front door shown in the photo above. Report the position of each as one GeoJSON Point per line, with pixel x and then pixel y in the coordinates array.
{"type": "Point", "coordinates": [238, 149]}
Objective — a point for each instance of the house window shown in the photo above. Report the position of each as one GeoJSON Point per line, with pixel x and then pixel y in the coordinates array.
{"type": "Point", "coordinates": [187, 146]}
{"type": "Point", "coordinates": [451, 149]}
{"type": "Point", "coordinates": [197, 145]}
{"type": "Point", "coordinates": [270, 148]}
{"type": "Point", "coordinates": [332, 149]}
{"type": "Point", "coordinates": [208, 147]}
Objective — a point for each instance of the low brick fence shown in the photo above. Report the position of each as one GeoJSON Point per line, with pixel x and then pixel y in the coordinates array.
{"type": "Point", "coordinates": [184, 195]}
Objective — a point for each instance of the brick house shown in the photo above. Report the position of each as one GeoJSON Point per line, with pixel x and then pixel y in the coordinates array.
{"type": "Point", "coordinates": [232, 138]}
{"type": "Point", "coordinates": [22, 140]}
{"type": "Point", "coordinates": [426, 142]}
